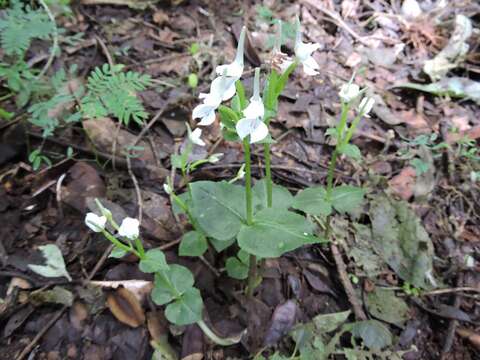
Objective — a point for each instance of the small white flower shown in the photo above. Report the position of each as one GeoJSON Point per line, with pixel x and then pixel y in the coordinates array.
{"type": "Point", "coordinates": [235, 69]}
{"type": "Point", "coordinates": [366, 106]}
{"type": "Point", "coordinates": [279, 60]}
{"type": "Point", "coordinates": [348, 92]}
{"type": "Point", "coordinates": [256, 128]}
{"type": "Point", "coordinates": [167, 188]}
{"type": "Point", "coordinates": [194, 136]}
{"type": "Point", "coordinates": [129, 228]}
{"type": "Point", "coordinates": [206, 111]}
{"type": "Point", "coordinates": [303, 52]}
{"type": "Point", "coordinates": [255, 109]}
{"type": "Point", "coordinates": [214, 158]}
{"type": "Point", "coordinates": [94, 222]}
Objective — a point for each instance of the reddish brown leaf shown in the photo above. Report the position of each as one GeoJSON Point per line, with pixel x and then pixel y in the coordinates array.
{"type": "Point", "coordinates": [126, 307]}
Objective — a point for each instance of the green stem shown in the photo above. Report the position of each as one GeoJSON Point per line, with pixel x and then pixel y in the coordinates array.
{"type": "Point", "coordinates": [268, 174]}
{"type": "Point", "coordinates": [119, 244]}
{"type": "Point", "coordinates": [140, 249]}
{"type": "Point", "coordinates": [331, 170]}
{"type": "Point", "coordinates": [215, 338]}
{"type": "Point", "coordinates": [252, 272]}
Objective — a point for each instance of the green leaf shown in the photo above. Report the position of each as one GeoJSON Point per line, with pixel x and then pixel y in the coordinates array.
{"type": "Point", "coordinates": [187, 309]}
{"type": "Point", "coordinates": [313, 201]}
{"type": "Point", "coordinates": [218, 207]}
{"type": "Point", "coordinates": [54, 265]}
{"type": "Point", "coordinates": [237, 267]}
{"type": "Point", "coordinates": [282, 199]}
{"type": "Point", "coordinates": [171, 284]}
{"type": "Point", "coordinates": [117, 253]}
{"type": "Point", "coordinates": [352, 151]}
{"type": "Point", "coordinates": [325, 323]}
{"type": "Point", "coordinates": [193, 243]}
{"type": "Point", "coordinates": [220, 245]}
{"type": "Point", "coordinates": [154, 261]}
{"type": "Point", "coordinates": [402, 242]}
{"type": "Point", "coordinates": [346, 198]}
{"type": "Point", "coordinates": [228, 117]}
{"type": "Point", "coordinates": [374, 334]}
{"type": "Point", "coordinates": [384, 305]}
{"type": "Point", "coordinates": [242, 101]}
{"type": "Point", "coordinates": [275, 232]}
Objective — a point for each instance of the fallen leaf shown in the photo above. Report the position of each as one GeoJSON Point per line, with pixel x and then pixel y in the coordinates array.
{"type": "Point", "coordinates": [58, 295]}
{"type": "Point", "coordinates": [139, 288]}
{"type": "Point", "coordinates": [125, 306]}
{"type": "Point", "coordinates": [282, 321]}
{"type": "Point", "coordinates": [403, 183]}
{"type": "Point", "coordinates": [54, 264]}
{"type": "Point", "coordinates": [472, 336]}
{"type": "Point", "coordinates": [384, 305]}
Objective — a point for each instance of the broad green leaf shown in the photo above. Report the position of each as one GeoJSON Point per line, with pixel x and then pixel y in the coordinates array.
{"type": "Point", "coordinates": [352, 151]}
{"type": "Point", "coordinates": [313, 201]}
{"type": "Point", "coordinates": [154, 261]}
{"type": "Point", "coordinates": [54, 265]}
{"type": "Point", "coordinates": [228, 117]}
{"type": "Point", "coordinates": [384, 305]}
{"type": "Point", "coordinates": [187, 309]}
{"type": "Point", "coordinates": [275, 232]}
{"type": "Point", "coordinates": [282, 199]}
{"type": "Point", "coordinates": [237, 267]}
{"type": "Point", "coordinates": [325, 323]}
{"type": "Point", "coordinates": [117, 253]}
{"type": "Point", "coordinates": [220, 245]}
{"type": "Point", "coordinates": [402, 242]}
{"type": "Point", "coordinates": [346, 198]}
{"type": "Point", "coordinates": [218, 207]}
{"type": "Point", "coordinates": [171, 284]}
{"type": "Point", "coordinates": [193, 243]}
{"type": "Point", "coordinates": [374, 334]}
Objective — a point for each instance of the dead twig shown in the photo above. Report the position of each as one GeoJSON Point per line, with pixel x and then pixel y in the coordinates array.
{"type": "Point", "coordinates": [42, 332]}
{"type": "Point", "coordinates": [347, 285]}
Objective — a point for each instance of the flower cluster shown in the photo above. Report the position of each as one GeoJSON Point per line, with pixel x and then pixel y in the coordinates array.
{"type": "Point", "coordinates": [129, 228]}
{"type": "Point", "coordinates": [350, 92]}
{"type": "Point", "coordinates": [223, 88]}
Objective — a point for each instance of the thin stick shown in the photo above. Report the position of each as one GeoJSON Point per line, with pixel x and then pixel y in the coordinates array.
{"type": "Point", "coordinates": [42, 332]}
{"type": "Point", "coordinates": [347, 285]}
{"type": "Point", "coordinates": [55, 40]}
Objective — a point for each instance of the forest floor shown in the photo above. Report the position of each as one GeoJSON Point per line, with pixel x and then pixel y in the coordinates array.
{"type": "Point", "coordinates": [420, 167]}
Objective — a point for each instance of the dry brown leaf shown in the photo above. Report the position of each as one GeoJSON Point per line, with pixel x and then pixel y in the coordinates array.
{"type": "Point", "coordinates": [403, 183]}
{"type": "Point", "coordinates": [472, 336]}
{"type": "Point", "coordinates": [139, 288]}
{"type": "Point", "coordinates": [125, 307]}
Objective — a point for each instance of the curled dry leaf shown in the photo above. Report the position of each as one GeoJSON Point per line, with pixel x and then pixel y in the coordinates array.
{"type": "Point", "coordinates": [472, 336]}
{"type": "Point", "coordinates": [282, 322]}
{"type": "Point", "coordinates": [403, 183]}
{"type": "Point", "coordinates": [139, 288]}
{"type": "Point", "coordinates": [126, 307]}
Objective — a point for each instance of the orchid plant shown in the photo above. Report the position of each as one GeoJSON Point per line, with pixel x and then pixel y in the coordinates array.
{"type": "Point", "coordinates": [258, 217]}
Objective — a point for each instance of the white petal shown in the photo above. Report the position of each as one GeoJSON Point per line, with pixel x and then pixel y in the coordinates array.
{"type": "Point", "coordinates": [255, 109]}
{"type": "Point", "coordinates": [305, 50]}
{"type": "Point", "coordinates": [234, 70]}
{"type": "Point", "coordinates": [310, 66]}
{"type": "Point", "coordinates": [366, 106]}
{"type": "Point", "coordinates": [94, 222]}
{"type": "Point", "coordinates": [285, 64]}
{"type": "Point", "coordinates": [208, 119]}
{"type": "Point", "coordinates": [129, 228]}
{"type": "Point", "coordinates": [202, 110]}
{"type": "Point", "coordinates": [348, 92]}
{"type": "Point", "coordinates": [195, 137]}
{"type": "Point", "coordinates": [222, 89]}
{"type": "Point", "coordinates": [253, 127]}
{"type": "Point", "coordinates": [167, 188]}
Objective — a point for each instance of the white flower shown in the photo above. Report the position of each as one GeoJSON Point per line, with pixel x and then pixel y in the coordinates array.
{"type": "Point", "coordinates": [235, 69]}
{"type": "Point", "coordinates": [129, 228]}
{"type": "Point", "coordinates": [303, 52]}
{"type": "Point", "coordinates": [252, 124]}
{"type": "Point", "coordinates": [348, 92]}
{"type": "Point", "coordinates": [256, 128]}
{"type": "Point", "coordinates": [255, 109]}
{"type": "Point", "coordinates": [194, 136]}
{"type": "Point", "coordinates": [366, 106]}
{"type": "Point", "coordinates": [167, 188]}
{"type": "Point", "coordinates": [214, 158]}
{"type": "Point", "coordinates": [94, 222]}
{"type": "Point", "coordinates": [221, 89]}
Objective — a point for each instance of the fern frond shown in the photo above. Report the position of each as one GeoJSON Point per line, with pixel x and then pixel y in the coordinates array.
{"type": "Point", "coordinates": [20, 25]}
{"type": "Point", "coordinates": [113, 92]}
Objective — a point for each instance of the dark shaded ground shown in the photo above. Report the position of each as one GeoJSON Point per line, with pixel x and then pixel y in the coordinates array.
{"type": "Point", "coordinates": [48, 206]}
